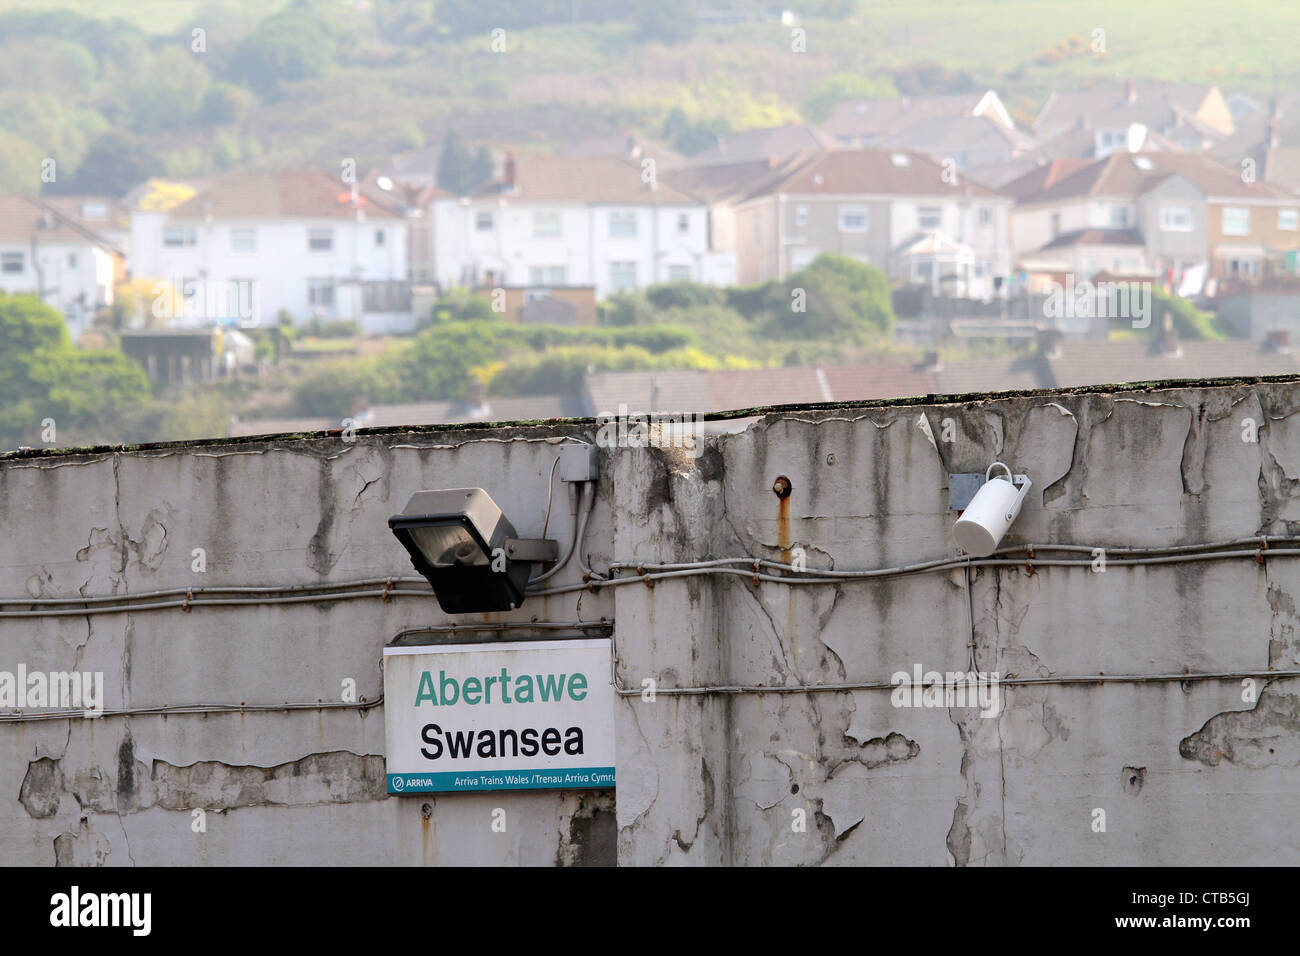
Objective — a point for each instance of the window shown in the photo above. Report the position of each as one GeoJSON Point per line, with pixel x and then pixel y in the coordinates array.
{"type": "Point", "coordinates": [483, 221]}
{"type": "Point", "coordinates": [679, 273]}
{"type": "Point", "coordinates": [1236, 221]}
{"type": "Point", "coordinates": [380, 237]}
{"type": "Point", "coordinates": [320, 240]}
{"type": "Point", "coordinates": [320, 293]}
{"type": "Point", "coordinates": [622, 225]}
{"type": "Point", "coordinates": [853, 219]}
{"type": "Point", "coordinates": [1119, 217]}
{"type": "Point", "coordinates": [546, 225]}
{"type": "Point", "coordinates": [11, 262]}
{"type": "Point", "coordinates": [801, 215]}
{"type": "Point", "coordinates": [243, 240]}
{"type": "Point", "coordinates": [756, 233]}
{"type": "Point", "coordinates": [179, 236]}
{"type": "Point", "coordinates": [986, 216]}
{"type": "Point", "coordinates": [72, 260]}
{"type": "Point", "coordinates": [1288, 219]}
{"type": "Point", "coordinates": [546, 275]}
{"type": "Point", "coordinates": [929, 217]}
{"type": "Point", "coordinates": [1056, 224]}
{"type": "Point", "coordinates": [1175, 219]}
{"type": "Point", "coordinates": [802, 257]}
{"type": "Point", "coordinates": [622, 276]}
{"type": "Point", "coordinates": [94, 210]}
{"type": "Point", "coordinates": [683, 222]}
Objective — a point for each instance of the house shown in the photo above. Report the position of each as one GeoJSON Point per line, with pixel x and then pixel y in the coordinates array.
{"type": "Point", "coordinates": [1191, 117]}
{"type": "Point", "coordinates": [898, 210]}
{"type": "Point", "coordinates": [872, 122]}
{"type": "Point", "coordinates": [566, 221]}
{"type": "Point", "coordinates": [981, 146]}
{"type": "Point", "coordinates": [255, 243]}
{"type": "Point", "coordinates": [628, 146]}
{"type": "Point", "coordinates": [57, 258]}
{"type": "Point", "coordinates": [1190, 211]}
{"type": "Point", "coordinates": [769, 144]}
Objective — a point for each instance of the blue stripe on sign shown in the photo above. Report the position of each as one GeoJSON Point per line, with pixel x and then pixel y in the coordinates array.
{"type": "Point", "coordinates": [570, 778]}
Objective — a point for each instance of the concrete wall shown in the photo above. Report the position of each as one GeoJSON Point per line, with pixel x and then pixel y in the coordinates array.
{"type": "Point", "coordinates": [1186, 772]}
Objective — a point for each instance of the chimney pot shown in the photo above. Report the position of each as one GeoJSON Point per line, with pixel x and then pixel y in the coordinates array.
{"type": "Point", "coordinates": [510, 170]}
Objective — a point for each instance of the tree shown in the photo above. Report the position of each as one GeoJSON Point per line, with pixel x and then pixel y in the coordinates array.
{"type": "Point", "coordinates": [115, 163]}
{"type": "Point", "coordinates": [667, 21]}
{"type": "Point", "coordinates": [42, 375]}
{"type": "Point", "coordinates": [460, 172]}
{"type": "Point", "coordinates": [286, 48]}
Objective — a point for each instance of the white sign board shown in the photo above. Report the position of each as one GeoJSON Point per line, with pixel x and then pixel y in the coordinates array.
{"type": "Point", "coordinates": [534, 715]}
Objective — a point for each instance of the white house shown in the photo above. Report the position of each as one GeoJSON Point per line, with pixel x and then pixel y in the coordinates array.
{"type": "Point", "coordinates": [576, 221]}
{"type": "Point", "coordinates": [254, 243]}
{"type": "Point", "coordinates": [55, 257]}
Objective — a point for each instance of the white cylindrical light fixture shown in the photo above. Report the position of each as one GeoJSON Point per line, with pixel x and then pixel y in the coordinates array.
{"type": "Point", "coordinates": [991, 512]}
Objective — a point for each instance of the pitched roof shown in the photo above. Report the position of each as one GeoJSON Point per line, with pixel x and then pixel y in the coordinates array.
{"type": "Point", "coordinates": [775, 142]}
{"type": "Point", "coordinates": [873, 118]}
{"type": "Point", "coordinates": [1097, 237]}
{"type": "Point", "coordinates": [1113, 363]}
{"type": "Point", "coordinates": [1131, 174]}
{"type": "Point", "coordinates": [1041, 177]}
{"type": "Point", "coordinates": [584, 179]}
{"type": "Point", "coordinates": [22, 219]}
{"type": "Point", "coordinates": [627, 146]}
{"type": "Point", "coordinates": [729, 180]}
{"type": "Point", "coordinates": [876, 172]}
{"type": "Point", "coordinates": [262, 194]}
{"type": "Point", "coordinates": [1155, 105]}
{"type": "Point", "coordinates": [946, 136]}
{"type": "Point", "coordinates": [702, 392]}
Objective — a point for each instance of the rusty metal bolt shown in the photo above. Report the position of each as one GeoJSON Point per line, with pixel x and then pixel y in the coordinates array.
{"type": "Point", "coordinates": [781, 487]}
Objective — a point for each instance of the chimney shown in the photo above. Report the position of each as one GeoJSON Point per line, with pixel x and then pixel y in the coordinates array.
{"type": "Point", "coordinates": [1130, 93]}
{"type": "Point", "coordinates": [1050, 342]}
{"type": "Point", "coordinates": [1278, 340]}
{"type": "Point", "coordinates": [511, 183]}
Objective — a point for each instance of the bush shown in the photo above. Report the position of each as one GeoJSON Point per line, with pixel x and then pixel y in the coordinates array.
{"type": "Point", "coordinates": [683, 295]}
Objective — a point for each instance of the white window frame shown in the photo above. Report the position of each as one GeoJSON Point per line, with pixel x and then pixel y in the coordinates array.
{"type": "Point", "coordinates": [679, 273]}
{"type": "Point", "coordinates": [1169, 221]}
{"type": "Point", "coordinates": [929, 213]}
{"type": "Point", "coordinates": [314, 289]}
{"type": "Point", "coordinates": [547, 276]}
{"type": "Point", "coordinates": [484, 220]}
{"type": "Point", "coordinates": [6, 263]}
{"type": "Point", "coordinates": [622, 266]}
{"type": "Point", "coordinates": [627, 224]}
{"type": "Point", "coordinates": [854, 212]}
{"type": "Point", "coordinates": [317, 234]}
{"type": "Point", "coordinates": [1288, 220]}
{"type": "Point", "coordinates": [801, 214]}
{"type": "Point", "coordinates": [248, 233]}
{"type": "Point", "coordinates": [547, 224]}
{"type": "Point", "coordinates": [179, 237]}
{"type": "Point", "coordinates": [1242, 212]}
{"type": "Point", "coordinates": [683, 223]}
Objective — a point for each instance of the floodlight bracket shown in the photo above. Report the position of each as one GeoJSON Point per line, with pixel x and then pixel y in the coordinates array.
{"type": "Point", "coordinates": [532, 549]}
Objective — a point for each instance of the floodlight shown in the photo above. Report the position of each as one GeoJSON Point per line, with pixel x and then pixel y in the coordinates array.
{"type": "Point", "coordinates": [465, 547]}
{"type": "Point", "coordinates": [995, 506]}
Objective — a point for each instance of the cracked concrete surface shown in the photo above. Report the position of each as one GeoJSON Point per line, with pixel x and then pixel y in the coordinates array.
{"type": "Point", "coordinates": [1188, 772]}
